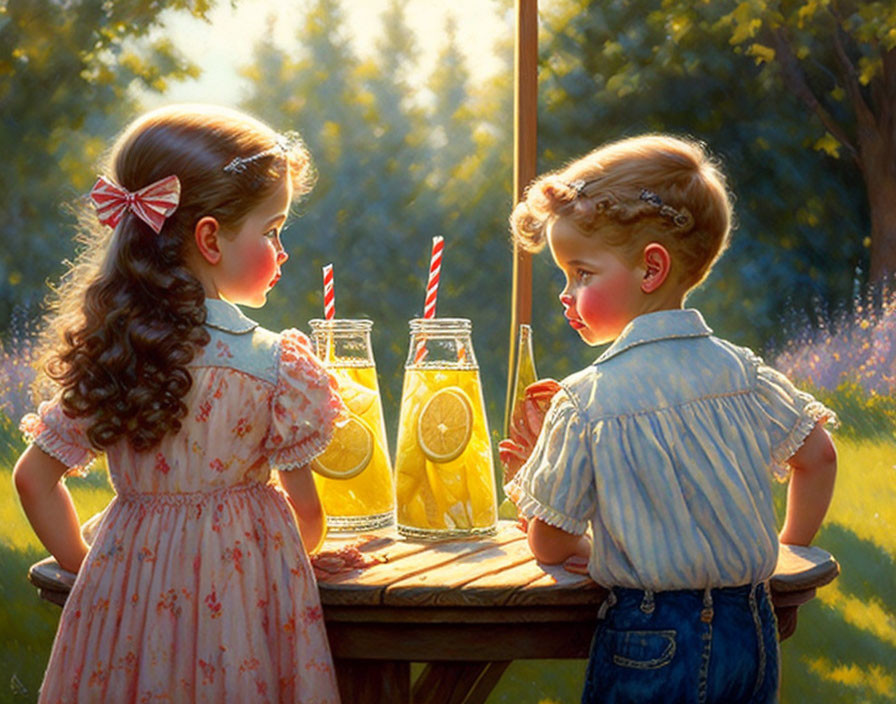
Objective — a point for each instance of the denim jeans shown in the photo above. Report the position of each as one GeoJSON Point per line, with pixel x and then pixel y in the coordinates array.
{"type": "Point", "coordinates": [689, 646]}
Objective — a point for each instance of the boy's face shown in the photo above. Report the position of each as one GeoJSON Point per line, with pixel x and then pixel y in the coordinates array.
{"type": "Point", "coordinates": [603, 291]}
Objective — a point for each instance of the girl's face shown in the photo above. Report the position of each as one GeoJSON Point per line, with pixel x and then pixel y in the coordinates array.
{"type": "Point", "coordinates": [603, 291]}
{"type": "Point", "coordinates": [252, 256]}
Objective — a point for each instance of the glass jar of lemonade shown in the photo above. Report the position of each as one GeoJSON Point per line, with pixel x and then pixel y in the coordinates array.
{"type": "Point", "coordinates": [354, 475]}
{"type": "Point", "coordinates": [444, 478]}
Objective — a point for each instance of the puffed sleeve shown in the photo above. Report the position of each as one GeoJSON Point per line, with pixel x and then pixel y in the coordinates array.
{"type": "Point", "coordinates": [304, 405]}
{"type": "Point", "coordinates": [789, 415]}
{"type": "Point", "coordinates": [557, 482]}
{"type": "Point", "coordinates": [60, 436]}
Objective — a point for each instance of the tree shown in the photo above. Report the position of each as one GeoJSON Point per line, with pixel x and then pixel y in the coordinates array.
{"type": "Point", "coordinates": [313, 87]}
{"type": "Point", "coordinates": [472, 177]}
{"type": "Point", "coordinates": [393, 172]}
{"type": "Point", "coordinates": [614, 69]}
{"type": "Point", "coordinates": [451, 114]}
{"type": "Point", "coordinates": [838, 59]}
{"type": "Point", "coordinates": [359, 128]}
{"type": "Point", "coordinates": [66, 75]}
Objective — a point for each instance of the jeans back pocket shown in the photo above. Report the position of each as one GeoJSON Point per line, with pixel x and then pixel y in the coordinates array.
{"type": "Point", "coordinates": [641, 650]}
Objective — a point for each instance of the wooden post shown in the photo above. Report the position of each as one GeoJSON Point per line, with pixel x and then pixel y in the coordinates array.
{"type": "Point", "coordinates": [525, 117]}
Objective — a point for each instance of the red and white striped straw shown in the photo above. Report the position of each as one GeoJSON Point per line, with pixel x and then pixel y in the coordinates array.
{"type": "Point", "coordinates": [329, 297]}
{"type": "Point", "coordinates": [432, 291]}
{"type": "Point", "coordinates": [432, 286]}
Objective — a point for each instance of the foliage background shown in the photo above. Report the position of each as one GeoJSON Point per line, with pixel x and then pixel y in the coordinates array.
{"type": "Point", "coordinates": [394, 170]}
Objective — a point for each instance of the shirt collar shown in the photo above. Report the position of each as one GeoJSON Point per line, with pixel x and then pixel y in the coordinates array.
{"type": "Point", "coordinates": [661, 325]}
{"type": "Point", "coordinates": [226, 316]}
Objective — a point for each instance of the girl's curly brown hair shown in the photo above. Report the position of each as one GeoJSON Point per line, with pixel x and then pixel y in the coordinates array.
{"type": "Point", "coordinates": [653, 187]}
{"type": "Point", "coordinates": [129, 315]}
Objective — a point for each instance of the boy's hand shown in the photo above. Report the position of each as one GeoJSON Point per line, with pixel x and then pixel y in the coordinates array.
{"type": "Point", "coordinates": [513, 456]}
{"type": "Point", "coordinates": [554, 546]}
{"type": "Point", "coordinates": [786, 605]}
{"type": "Point", "coordinates": [525, 426]}
{"type": "Point", "coordinates": [528, 417]}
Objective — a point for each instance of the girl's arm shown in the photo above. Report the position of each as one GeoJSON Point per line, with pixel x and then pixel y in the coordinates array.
{"type": "Point", "coordinates": [49, 506]}
{"type": "Point", "coordinates": [552, 545]}
{"type": "Point", "coordinates": [299, 486]}
{"type": "Point", "coordinates": [811, 486]}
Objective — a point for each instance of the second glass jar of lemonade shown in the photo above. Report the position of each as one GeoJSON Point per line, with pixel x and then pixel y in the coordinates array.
{"type": "Point", "coordinates": [444, 478]}
{"type": "Point", "coordinates": [358, 449]}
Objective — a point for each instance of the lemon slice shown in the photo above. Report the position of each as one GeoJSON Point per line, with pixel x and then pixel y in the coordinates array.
{"type": "Point", "coordinates": [445, 425]}
{"type": "Point", "coordinates": [357, 398]}
{"type": "Point", "coordinates": [349, 452]}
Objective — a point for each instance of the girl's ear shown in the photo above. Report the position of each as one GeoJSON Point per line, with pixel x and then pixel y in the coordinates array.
{"type": "Point", "coordinates": [207, 233]}
{"type": "Point", "coordinates": [657, 265]}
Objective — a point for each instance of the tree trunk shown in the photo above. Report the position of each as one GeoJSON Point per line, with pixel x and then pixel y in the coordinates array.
{"type": "Point", "coordinates": [878, 159]}
{"type": "Point", "coordinates": [882, 199]}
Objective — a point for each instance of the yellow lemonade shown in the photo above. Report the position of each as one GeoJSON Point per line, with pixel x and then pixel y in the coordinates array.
{"type": "Point", "coordinates": [445, 485]}
{"type": "Point", "coordinates": [366, 500]}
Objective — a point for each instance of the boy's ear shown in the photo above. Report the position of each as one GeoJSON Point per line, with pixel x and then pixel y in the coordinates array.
{"type": "Point", "coordinates": [207, 233]}
{"type": "Point", "coordinates": [657, 265]}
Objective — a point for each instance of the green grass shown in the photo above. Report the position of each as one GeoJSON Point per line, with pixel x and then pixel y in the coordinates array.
{"type": "Point", "coordinates": [28, 623]}
{"type": "Point", "coordinates": [845, 647]}
{"type": "Point", "coordinates": [843, 650]}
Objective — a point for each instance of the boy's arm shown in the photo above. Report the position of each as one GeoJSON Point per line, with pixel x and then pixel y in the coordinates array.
{"type": "Point", "coordinates": [302, 493]}
{"type": "Point", "coordinates": [552, 545]}
{"type": "Point", "coordinates": [811, 486]}
{"type": "Point", "coordinates": [49, 507]}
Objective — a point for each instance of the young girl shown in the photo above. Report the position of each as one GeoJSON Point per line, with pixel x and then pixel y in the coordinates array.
{"type": "Point", "coordinates": [666, 444]}
{"type": "Point", "coordinates": [197, 587]}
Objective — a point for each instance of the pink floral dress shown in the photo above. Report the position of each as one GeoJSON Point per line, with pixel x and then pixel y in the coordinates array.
{"type": "Point", "coordinates": [197, 587]}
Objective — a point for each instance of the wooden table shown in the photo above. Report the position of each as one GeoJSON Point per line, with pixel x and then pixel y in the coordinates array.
{"type": "Point", "coordinates": [465, 608]}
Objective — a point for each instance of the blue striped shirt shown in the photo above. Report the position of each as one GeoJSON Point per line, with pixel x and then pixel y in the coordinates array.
{"type": "Point", "coordinates": [666, 447]}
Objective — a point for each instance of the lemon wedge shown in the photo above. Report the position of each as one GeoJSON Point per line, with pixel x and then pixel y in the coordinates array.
{"type": "Point", "coordinates": [508, 510]}
{"type": "Point", "coordinates": [357, 398]}
{"type": "Point", "coordinates": [445, 425]}
{"type": "Point", "coordinates": [349, 452]}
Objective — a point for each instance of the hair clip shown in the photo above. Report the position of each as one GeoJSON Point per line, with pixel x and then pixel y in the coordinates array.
{"type": "Point", "coordinates": [285, 142]}
{"type": "Point", "coordinates": [580, 184]}
{"type": "Point", "coordinates": [678, 218]}
{"type": "Point", "coordinates": [650, 197]}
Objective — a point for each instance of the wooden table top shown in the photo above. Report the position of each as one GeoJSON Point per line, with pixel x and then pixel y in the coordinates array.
{"type": "Point", "coordinates": [481, 599]}
{"type": "Point", "coordinates": [489, 571]}
{"type": "Point", "coordinates": [494, 571]}
{"type": "Point", "coordinates": [498, 571]}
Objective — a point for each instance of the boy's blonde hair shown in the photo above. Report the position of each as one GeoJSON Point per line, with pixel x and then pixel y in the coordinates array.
{"type": "Point", "coordinates": [651, 188]}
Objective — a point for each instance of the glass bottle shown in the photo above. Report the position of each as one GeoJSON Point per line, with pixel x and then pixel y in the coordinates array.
{"type": "Point", "coordinates": [444, 476]}
{"type": "Point", "coordinates": [358, 448]}
{"type": "Point", "coordinates": [525, 373]}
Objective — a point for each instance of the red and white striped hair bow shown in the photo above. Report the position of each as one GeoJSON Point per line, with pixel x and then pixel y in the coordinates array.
{"type": "Point", "coordinates": [152, 203]}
